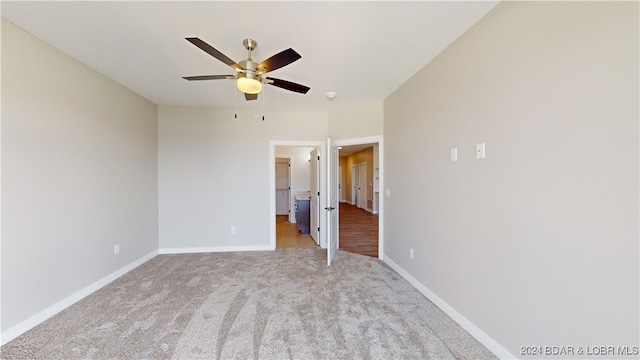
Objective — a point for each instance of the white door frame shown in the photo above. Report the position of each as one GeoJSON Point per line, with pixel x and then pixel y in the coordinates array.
{"type": "Point", "coordinates": [372, 140]}
{"type": "Point", "coordinates": [333, 206]}
{"type": "Point", "coordinates": [314, 202]}
{"type": "Point", "coordinates": [340, 183]}
{"type": "Point", "coordinates": [272, 186]}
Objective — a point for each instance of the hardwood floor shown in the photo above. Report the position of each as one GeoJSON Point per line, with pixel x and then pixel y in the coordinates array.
{"type": "Point", "coordinates": [358, 230]}
{"type": "Point", "coordinates": [288, 236]}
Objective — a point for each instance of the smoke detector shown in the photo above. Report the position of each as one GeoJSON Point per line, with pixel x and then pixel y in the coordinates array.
{"type": "Point", "coordinates": [331, 95]}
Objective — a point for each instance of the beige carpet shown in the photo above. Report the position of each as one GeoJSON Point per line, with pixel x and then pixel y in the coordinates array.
{"type": "Point", "coordinates": [271, 305]}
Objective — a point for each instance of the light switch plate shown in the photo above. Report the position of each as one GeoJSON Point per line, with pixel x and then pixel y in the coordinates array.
{"type": "Point", "coordinates": [480, 151]}
{"type": "Point", "coordinates": [454, 154]}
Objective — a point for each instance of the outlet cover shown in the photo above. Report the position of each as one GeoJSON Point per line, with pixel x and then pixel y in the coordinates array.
{"type": "Point", "coordinates": [480, 151]}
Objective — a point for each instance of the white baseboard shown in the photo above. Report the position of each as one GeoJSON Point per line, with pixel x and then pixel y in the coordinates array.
{"type": "Point", "coordinates": [215, 249]}
{"type": "Point", "coordinates": [483, 338]}
{"type": "Point", "coordinates": [45, 314]}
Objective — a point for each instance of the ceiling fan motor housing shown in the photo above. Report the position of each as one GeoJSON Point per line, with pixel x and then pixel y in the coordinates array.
{"type": "Point", "coordinates": [248, 67]}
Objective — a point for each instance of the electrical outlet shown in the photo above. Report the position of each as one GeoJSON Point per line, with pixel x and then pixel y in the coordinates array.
{"type": "Point", "coordinates": [411, 253]}
{"type": "Point", "coordinates": [116, 249]}
{"type": "Point", "coordinates": [480, 151]}
{"type": "Point", "coordinates": [233, 230]}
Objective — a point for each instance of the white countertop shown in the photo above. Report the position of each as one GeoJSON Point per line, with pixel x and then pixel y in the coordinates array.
{"type": "Point", "coordinates": [303, 195]}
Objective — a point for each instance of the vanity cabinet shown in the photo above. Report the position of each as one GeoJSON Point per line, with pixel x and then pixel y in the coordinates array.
{"type": "Point", "coordinates": [302, 215]}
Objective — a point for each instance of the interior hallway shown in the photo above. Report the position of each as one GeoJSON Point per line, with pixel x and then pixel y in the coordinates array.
{"type": "Point", "coordinates": [358, 230]}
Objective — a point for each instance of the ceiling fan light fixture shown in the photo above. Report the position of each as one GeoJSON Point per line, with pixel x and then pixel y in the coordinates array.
{"type": "Point", "coordinates": [249, 85]}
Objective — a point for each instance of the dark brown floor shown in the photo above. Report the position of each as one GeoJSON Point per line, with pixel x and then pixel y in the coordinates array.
{"type": "Point", "coordinates": [358, 230]}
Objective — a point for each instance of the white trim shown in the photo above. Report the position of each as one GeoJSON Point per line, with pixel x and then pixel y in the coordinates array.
{"type": "Point", "coordinates": [359, 141]}
{"type": "Point", "coordinates": [213, 249]}
{"type": "Point", "coordinates": [478, 334]}
{"type": "Point", "coordinates": [45, 314]}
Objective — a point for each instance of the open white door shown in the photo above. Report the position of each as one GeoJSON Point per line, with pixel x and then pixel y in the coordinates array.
{"type": "Point", "coordinates": [332, 200]}
{"type": "Point", "coordinates": [314, 187]}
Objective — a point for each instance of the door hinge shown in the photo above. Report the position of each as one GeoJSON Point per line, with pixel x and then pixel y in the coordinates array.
{"type": "Point", "coordinates": [318, 157]}
{"type": "Point", "coordinates": [318, 229]}
{"type": "Point", "coordinates": [318, 193]}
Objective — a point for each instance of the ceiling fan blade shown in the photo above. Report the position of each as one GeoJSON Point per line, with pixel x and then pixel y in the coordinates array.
{"type": "Point", "coordinates": [213, 52]}
{"type": "Point", "coordinates": [288, 85]}
{"type": "Point", "coordinates": [208, 77]}
{"type": "Point", "coordinates": [278, 60]}
{"type": "Point", "coordinates": [251, 96]}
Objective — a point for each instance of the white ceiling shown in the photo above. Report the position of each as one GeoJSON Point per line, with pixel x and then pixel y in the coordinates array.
{"type": "Point", "coordinates": [361, 50]}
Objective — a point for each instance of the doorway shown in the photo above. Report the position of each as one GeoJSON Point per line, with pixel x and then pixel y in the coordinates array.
{"type": "Point", "coordinates": [361, 212]}
{"type": "Point", "coordinates": [322, 145]}
{"type": "Point", "coordinates": [298, 153]}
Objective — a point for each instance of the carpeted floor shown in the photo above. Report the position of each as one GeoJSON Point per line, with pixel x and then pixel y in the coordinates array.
{"type": "Point", "coordinates": [272, 305]}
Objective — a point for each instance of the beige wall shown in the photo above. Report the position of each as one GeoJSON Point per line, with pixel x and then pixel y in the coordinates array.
{"type": "Point", "coordinates": [537, 244]}
{"type": "Point", "coordinates": [79, 174]}
{"type": "Point", "coordinates": [356, 121]}
{"type": "Point", "coordinates": [213, 173]}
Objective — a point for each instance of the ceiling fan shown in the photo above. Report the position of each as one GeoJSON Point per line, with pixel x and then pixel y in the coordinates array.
{"type": "Point", "coordinates": [249, 74]}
